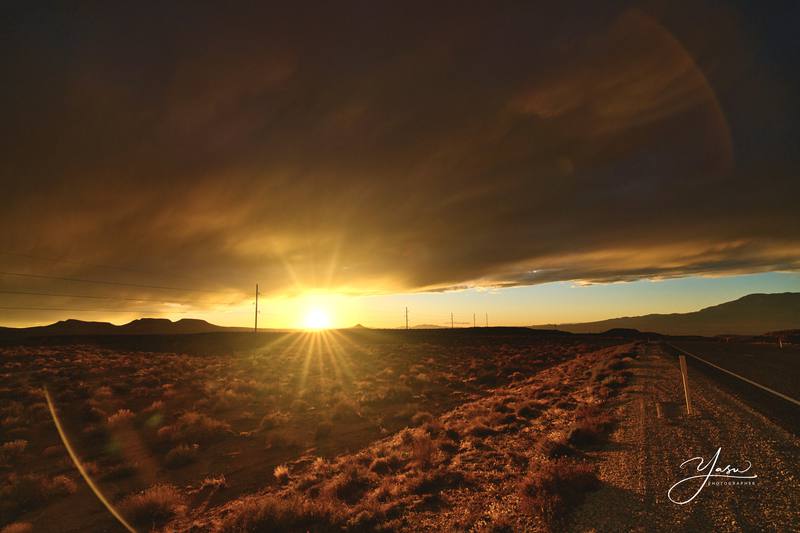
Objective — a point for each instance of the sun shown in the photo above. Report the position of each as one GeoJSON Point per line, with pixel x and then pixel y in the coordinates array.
{"type": "Point", "coordinates": [316, 318]}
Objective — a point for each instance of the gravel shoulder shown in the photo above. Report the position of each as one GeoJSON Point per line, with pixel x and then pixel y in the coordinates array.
{"type": "Point", "coordinates": [656, 436]}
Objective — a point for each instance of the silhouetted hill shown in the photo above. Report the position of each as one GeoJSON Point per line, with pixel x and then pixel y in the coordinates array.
{"type": "Point", "coordinates": [141, 326]}
{"type": "Point", "coordinates": [427, 326]}
{"type": "Point", "coordinates": [754, 314]}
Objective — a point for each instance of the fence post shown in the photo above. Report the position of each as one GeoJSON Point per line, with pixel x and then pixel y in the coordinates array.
{"type": "Point", "coordinates": [685, 377]}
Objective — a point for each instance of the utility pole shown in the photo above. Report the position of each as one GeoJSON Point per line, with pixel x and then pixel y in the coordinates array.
{"type": "Point", "coordinates": [473, 320]}
{"type": "Point", "coordinates": [406, 317]}
{"type": "Point", "coordinates": [487, 320]}
{"type": "Point", "coordinates": [451, 321]}
{"type": "Point", "coordinates": [255, 325]}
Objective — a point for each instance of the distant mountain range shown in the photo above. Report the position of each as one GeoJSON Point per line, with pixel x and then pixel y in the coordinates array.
{"type": "Point", "coordinates": [141, 326]}
{"type": "Point", "coordinates": [754, 314]}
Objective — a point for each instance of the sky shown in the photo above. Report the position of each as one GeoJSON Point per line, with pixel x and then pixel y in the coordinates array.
{"type": "Point", "coordinates": [544, 162]}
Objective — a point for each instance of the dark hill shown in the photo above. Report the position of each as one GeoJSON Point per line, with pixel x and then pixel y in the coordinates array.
{"type": "Point", "coordinates": [141, 326]}
{"type": "Point", "coordinates": [754, 314]}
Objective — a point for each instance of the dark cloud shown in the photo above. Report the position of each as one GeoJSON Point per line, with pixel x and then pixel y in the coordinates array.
{"type": "Point", "coordinates": [366, 148]}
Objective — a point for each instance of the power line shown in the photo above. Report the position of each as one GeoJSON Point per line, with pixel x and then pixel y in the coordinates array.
{"type": "Point", "coordinates": [118, 283]}
{"type": "Point", "coordinates": [160, 300]}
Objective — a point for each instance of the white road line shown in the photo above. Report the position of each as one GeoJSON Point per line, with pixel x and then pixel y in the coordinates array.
{"type": "Point", "coordinates": [750, 381]}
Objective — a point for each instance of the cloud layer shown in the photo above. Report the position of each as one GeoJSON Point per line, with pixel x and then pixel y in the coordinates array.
{"type": "Point", "coordinates": [367, 149]}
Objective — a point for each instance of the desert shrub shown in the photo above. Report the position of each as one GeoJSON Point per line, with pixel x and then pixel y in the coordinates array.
{"type": "Point", "coordinates": [157, 405]}
{"type": "Point", "coordinates": [195, 427]}
{"type": "Point", "coordinates": [616, 364]}
{"type": "Point", "coordinates": [436, 480]}
{"type": "Point", "coordinates": [615, 382]}
{"type": "Point", "coordinates": [432, 428]}
{"type": "Point", "coordinates": [407, 437]}
{"type": "Point", "coordinates": [60, 486]}
{"type": "Point", "coordinates": [214, 482]}
{"type": "Point", "coordinates": [452, 434]}
{"type": "Point", "coordinates": [53, 451]}
{"type": "Point", "coordinates": [154, 506]}
{"type": "Point", "coordinates": [12, 450]}
{"type": "Point", "coordinates": [103, 392]}
{"type": "Point", "coordinates": [553, 449]}
{"type": "Point", "coordinates": [421, 417]}
{"type": "Point", "coordinates": [92, 413]}
{"type": "Point", "coordinates": [281, 473]}
{"type": "Point", "coordinates": [118, 471]}
{"type": "Point", "coordinates": [120, 418]}
{"type": "Point", "coordinates": [479, 429]}
{"type": "Point", "coordinates": [556, 487]}
{"type": "Point", "coordinates": [284, 513]}
{"type": "Point", "coordinates": [384, 465]}
{"type": "Point", "coordinates": [182, 455]}
{"type": "Point", "coordinates": [449, 446]}
{"type": "Point", "coordinates": [500, 419]}
{"type": "Point", "coordinates": [349, 485]}
{"type": "Point", "coordinates": [567, 405]}
{"type": "Point", "coordinates": [590, 428]}
{"type": "Point", "coordinates": [396, 394]}
{"type": "Point", "coordinates": [529, 410]}
{"type": "Point", "coordinates": [422, 450]}
{"type": "Point", "coordinates": [344, 409]}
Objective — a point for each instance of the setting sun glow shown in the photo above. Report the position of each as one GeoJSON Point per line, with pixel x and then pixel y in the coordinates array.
{"type": "Point", "coordinates": [317, 319]}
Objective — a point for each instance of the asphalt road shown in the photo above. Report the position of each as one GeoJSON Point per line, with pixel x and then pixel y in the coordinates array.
{"type": "Point", "coordinates": [766, 364]}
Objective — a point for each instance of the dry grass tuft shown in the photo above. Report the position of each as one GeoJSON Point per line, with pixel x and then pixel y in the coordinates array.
{"type": "Point", "coordinates": [590, 428]}
{"type": "Point", "coordinates": [479, 429]}
{"type": "Point", "coordinates": [529, 410]}
{"type": "Point", "coordinates": [553, 490]}
{"type": "Point", "coordinates": [284, 513]}
{"type": "Point", "coordinates": [182, 455]}
{"type": "Point", "coordinates": [554, 449]}
{"type": "Point", "coordinates": [436, 480]}
{"type": "Point", "coordinates": [385, 465]}
{"type": "Point", "coordinates": [120, 418]}
{"type": "Point", "coordinates": [281, 473]}
{"type": "Point", "coordinates": [154, 507]}
{"type": "Point", "coordinates": [421, 417]}
{"type": "Point", "coordinates": [12, 450]}
{"type": "Point", "coordinates": [195, 427]}
{"type": "Point", "coordinates": [422, 450]}
{"type": "Point", "coordinates": [349, 485]}
{"type": "Point", "coordinates": [214, 482]}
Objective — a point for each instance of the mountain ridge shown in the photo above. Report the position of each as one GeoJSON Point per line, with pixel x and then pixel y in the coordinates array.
{"type": "Point", "coordinates": [139, 326]}
{"type": "Point", "coordinates": [752, 314]}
